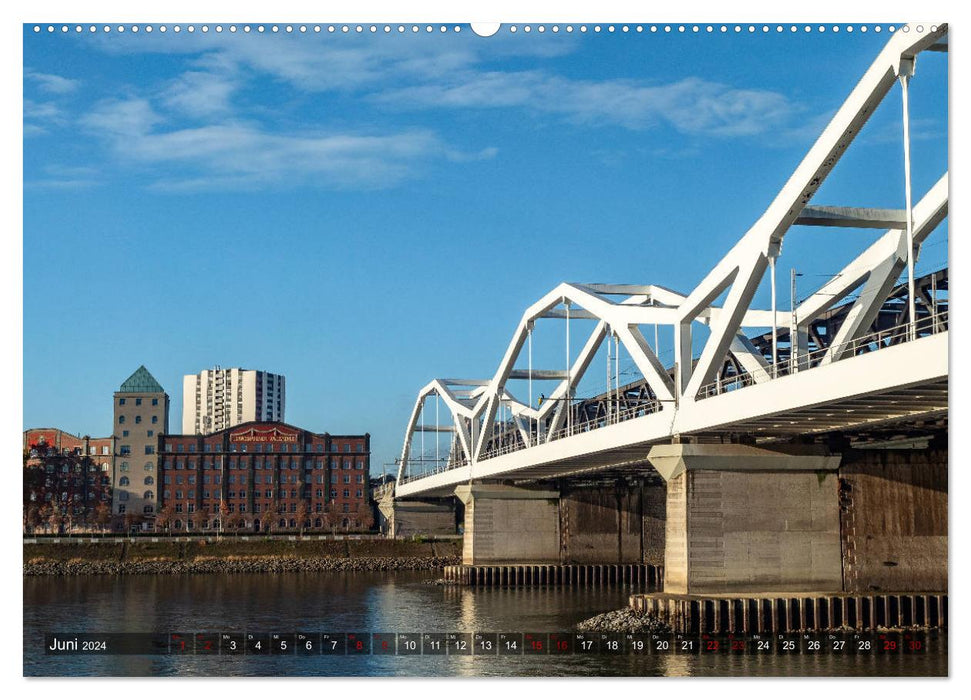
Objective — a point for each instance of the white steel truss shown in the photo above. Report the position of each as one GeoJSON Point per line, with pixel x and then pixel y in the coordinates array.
{"type": "Point", "coordinates": [620, 310]}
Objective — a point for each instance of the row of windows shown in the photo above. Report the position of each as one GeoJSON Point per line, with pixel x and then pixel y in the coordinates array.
{"type": "Point", "coordinates": [123, 495]}
{"type": "Point", "coordinates": [125, 450]}
{"type": "Point", "coordinates": [123, 481]}
{"type": "Point", "coordinates": [147, 510]}
{"type": "Point", "coordinates": [138, 402]}
{"type": "Point", "coordinates": [256, 447]}
{"type": "Point", "coordinates": [191, 494]}
{"type": "Point", "coordinates": [138, 419]}
{"type": "Point", "coordinates": [149, 466]}
{"type": "Point", "coordinates": [124, 434]}
{"type": "Point", "coordinates": [283, 464]}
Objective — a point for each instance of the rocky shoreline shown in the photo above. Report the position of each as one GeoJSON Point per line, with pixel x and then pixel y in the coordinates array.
{"type": "Point", "coordinates": [231, 565]}
{"type": "Point", "coordinates": [624, 620]}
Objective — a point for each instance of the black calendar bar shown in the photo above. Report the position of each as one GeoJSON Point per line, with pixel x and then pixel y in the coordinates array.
{"type": "Point", "coordinates": [446, 644]}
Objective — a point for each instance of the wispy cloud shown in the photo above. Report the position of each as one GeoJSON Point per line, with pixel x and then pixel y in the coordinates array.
{"type": "Point", "coordinates": [54, 84]}
{"type": "Point", "coordinates": [244, 154]}
{"type": "Point", "coordinates": [691, 105]}
{"type": "Point", "coordinates": [39, 117]}
{"type": "Point", "coordinates": [64, 177]}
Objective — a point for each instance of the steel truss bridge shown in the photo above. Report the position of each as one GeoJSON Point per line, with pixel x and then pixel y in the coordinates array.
{"type": "Point", "coordinates": [862, 351]}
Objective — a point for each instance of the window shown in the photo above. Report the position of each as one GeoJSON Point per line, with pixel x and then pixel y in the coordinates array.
{"type": "Point", "coordinates": [149, 449]}
{"type": "Point", "coordinates": [154, 419]}
{"type": "Point", "coordinates": [333, 477]}
{"type": "Point", "coordinates": [179, 479]}
{"type": "Point", "coordinates": [148, 495]}
{"type": "Point", "coordinates": [123, 481]}
{"type": "Point", "coordinates": [347, 478]}
{"type": "Point", "coordinates": [178, 495]}
{"type": "Point", "coordinates": [360, 493]}
{"type": "Point", "coordinates": [149, 481]}
{"type": "Point", "coordinates": [121, 507]}
{"type": "Point", "coordinates": [155, 402]}
{"type": "Point", "coordinates": [333, 493]}
{"type": "Point", "coordinates": [124, 466]}
{"type": "Point", "coordinates": [178, 508]}
{"type": "Point", "coordinates": [192, 478]}
{"type": "Point", "coordinates": [124, 433]}
{"type": "Point", "coordinates": [123, 496]}
{"type": "Point", "coordinates": [360, 464]}
{"type": "Point", "coordinates": [149, 466]}
{"type": "Point", "coordinates": [125, 450]}
{"type": "Point", "coordinates": [138, 402]}
{"type": "Point", "coordinates": [148, 510]}
{"type": "Point", "coordinates": [360, 478]}
{"type": "Point", "coordinates": [151, 433]}
{"type": "Point", "coordinates": [345, 509]}
{"type": "Point", "coordinates": [121, 402]}
{"type": "Point", "coordinates": [347, 447]}
{"type": "Point", "coordinates": [121, 419]}
{"type": "Point", "coordinates": [180, 448]}
{"type": "Point", "coordinates": [347, 464]}
{"type": "Point", "coordinates": [347, 493]}
{"type": "Point", "coordinates": [166, 479]}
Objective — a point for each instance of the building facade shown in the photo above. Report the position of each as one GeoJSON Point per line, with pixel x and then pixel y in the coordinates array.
{"type": "Point", "coordinates": [216, 399]}
{"type": "Point", "coordinates": [141, 416]}
{"type": "Point", "coordinates": [264, 477]}
{"type": "Point", "coordinates": [67, 480]}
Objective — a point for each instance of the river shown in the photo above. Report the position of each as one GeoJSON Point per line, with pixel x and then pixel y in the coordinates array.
{"type": "Point", "coordinates": [373, 602]}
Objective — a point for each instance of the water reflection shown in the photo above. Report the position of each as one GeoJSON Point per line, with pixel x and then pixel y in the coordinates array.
{"type": "Point", "coordinates": [367, 602]}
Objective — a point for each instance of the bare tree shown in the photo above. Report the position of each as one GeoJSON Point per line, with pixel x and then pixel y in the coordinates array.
{"type": "Point", "coordinates": [302, 513]}
{"type": "Point", "coordinates": [55, 520]}
{"type": "Point", "coordinates": [365, 516]}
{"type": "Point", "coordinates": [102, 515]}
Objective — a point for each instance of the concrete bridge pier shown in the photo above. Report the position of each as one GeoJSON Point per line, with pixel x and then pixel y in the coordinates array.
{"type": "Point", "coordinates": [747, 519]}
{"type": "Point", "coordinates": [508, 524]}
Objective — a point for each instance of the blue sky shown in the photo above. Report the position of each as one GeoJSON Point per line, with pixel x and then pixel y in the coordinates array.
{"type": "Point", "coordinates": [363, 213]}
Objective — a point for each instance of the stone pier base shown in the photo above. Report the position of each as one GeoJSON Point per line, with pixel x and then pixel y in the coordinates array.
{"type": "Point", "coordinates": [792, 612]}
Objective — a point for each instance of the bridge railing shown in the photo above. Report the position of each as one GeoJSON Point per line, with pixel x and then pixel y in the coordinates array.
{"type": "Point", "coordinates": [929, 325]}
{"type": "Point", "coordinates": [447, 466]}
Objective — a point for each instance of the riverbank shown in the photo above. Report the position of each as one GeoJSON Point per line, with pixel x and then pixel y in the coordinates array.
{"type": "Point", "coordinates": [260, 556]}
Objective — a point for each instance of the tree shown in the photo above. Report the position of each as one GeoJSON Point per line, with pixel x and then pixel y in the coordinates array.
{"type": "Point", "coordinates": [233, 521]}
{"type": "Point", "coordinates": [102, 515]}
{"type": "Point", "coordinates": [44, 515]}
{"type": "Point", "coordinates": [223, 514]}
{"type": "Point", "coordinates": [365, 516]}
{"type": "Point", "coordinates": [55, 520]}
{"type": "Point", "coordinates": [332, 516]}
{"type": "Point", "coordinates": [267, 522]}
{"type": "Point", "coordinates": [32, 517]}
{"type": "Point", "coordinates": [164, 518]}
{"type": "Point", "coordinates": [302, 513]}
{"type": "Point", "coordinates": [132, 520]}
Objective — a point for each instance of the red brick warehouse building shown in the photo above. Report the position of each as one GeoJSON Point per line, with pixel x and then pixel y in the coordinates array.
{"type": "Point", "coordinates": [240, 475]}
{"type": "Point", "coordinates": [67, 480]}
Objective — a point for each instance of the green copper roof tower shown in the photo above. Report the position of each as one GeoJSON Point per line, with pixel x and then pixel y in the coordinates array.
{"type": "Point", "coordinates": [141, 382]}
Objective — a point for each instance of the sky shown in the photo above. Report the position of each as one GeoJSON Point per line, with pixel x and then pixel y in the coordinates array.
{"type": "Point", "coordinates": [365, 212]}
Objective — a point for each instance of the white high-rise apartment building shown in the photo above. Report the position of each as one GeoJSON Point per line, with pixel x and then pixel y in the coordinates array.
{"type": "Point", "coordinates": [219, 398]}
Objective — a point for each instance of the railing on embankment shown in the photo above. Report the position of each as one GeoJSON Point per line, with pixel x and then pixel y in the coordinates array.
{"type": "Point", "coordinates": [867, 612]}
{"type": "Point", "coordinates": [554, 574]}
